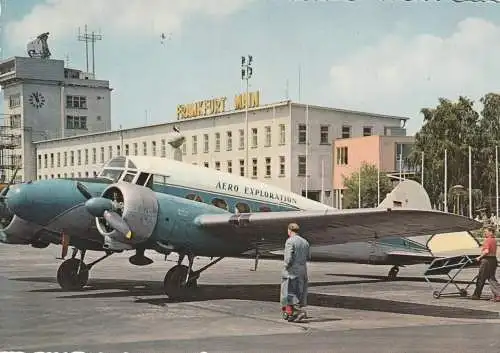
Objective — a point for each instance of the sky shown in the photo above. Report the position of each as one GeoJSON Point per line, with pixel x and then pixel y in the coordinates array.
{"type": "Point", "coordinates": [381, 56]}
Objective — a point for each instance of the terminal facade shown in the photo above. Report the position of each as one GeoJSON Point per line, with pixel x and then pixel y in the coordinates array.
{"type": "Point", "coordinates": [64, 119]}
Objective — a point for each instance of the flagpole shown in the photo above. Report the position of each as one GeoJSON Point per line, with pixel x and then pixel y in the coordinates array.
{"type": "Point", "coordinates": [422, 177]}
{"type": "Point", "coordinates": [322, 181]}
{"type": "Point", "coordinates": [359, 188]}
{"type": "Point", "coordinates": [445, 181]}
{"type": "Point", "coordinates": [496, 174]}
{"type": "Point", "coordinates": [470, 182]}
{"type": "Point", "coordinates": [307, 150]}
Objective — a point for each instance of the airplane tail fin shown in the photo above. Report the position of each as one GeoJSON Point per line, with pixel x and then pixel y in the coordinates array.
{"type": "Point", "coordinates": [407, 194]}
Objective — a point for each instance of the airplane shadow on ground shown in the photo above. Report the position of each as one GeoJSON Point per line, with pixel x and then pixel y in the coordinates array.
{"type": "Point", "coordinates": [260, 292]}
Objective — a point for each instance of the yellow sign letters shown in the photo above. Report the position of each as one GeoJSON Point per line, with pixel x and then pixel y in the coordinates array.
{"type": "Point", "coordinates": [217, 105]}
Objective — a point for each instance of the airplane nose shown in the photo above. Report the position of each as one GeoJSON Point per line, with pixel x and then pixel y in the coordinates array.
{"type": "Point", "coordinates": [17, 200]}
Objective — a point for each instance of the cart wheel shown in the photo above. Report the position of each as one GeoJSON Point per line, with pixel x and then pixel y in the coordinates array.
{"type": "Point", "coordinates": [463, 292]}
{"type": "Point", "coordinates": [436, 294]}
{"type": "Point", "coordinates": [284, 315]}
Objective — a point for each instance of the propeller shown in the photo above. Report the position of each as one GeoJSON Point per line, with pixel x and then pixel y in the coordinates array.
{"type": "Point", "coordinates": [5, 190]}
{"type": "Point", "coordinates": [105, 208]}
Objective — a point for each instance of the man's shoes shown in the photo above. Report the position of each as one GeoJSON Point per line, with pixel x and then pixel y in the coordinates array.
{"type": "Point", "coordinates": [475, 297]}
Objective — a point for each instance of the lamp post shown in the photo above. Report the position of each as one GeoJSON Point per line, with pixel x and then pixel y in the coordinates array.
{"type": "Point", "coordinates": [246, 74]}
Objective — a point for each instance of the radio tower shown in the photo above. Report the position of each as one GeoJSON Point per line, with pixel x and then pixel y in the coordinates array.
{"type": "Point", "coordinates": [3, 4]}
{"type": "Point", "coordinates": [92, 38]}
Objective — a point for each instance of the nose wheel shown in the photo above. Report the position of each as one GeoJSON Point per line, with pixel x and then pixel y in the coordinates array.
{"type": "Point", "coordinates": [393, 273]}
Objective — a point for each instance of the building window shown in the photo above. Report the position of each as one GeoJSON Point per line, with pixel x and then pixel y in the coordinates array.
{"type": "Point", "coordinates": [39, 161]}
{"type": "Point", "coordinates": [184, 149]}
{"type": "Point", "coordinates": [144, 148]}
{"type": "Point", "coordinates": [229, 166]}
{"type": "Point", "coordinates": [254, 167]}
{"type": "Point", "coordinates": [229, 141]}
{"type": "Point", "coordinates": [242, 139]}
{"type": "Point", "coordinates": [163, 148]}
{"type": "Point", "coordinates": [72, 159]}
{"type": "Point", "coordinates": [94, 155]}
{"type": "Point", "coordinates": [153, 148]}
{"type": "Point", "coordinates": [136, 149]}
{"type": "Point", "coordinates": [217, 141]}
{"type": "Point", "coordinates": [76, 122]}
{"type": "Point", "coordinates": [86, 156]}
{"type": "Point", "coordinates": [14, 121]}
{"type": "Point", "coordinates": [267, 130]}
{"type": "Point", "coordinates": [76, 102]}
{"type": "Point", "coordinates": [302, 166]}
{"type": "Point", "coordinates": [65, 161]}
{"type": "Point", "coordinates": [79, 158]}
{"type": "Point", "coordinates": [65, 175]}
{"type": "Point", "coordinates": [205, 143]}
{"type": "Point", "coordinates": [346, 132]}
{"type": "Point", "coordinates": [127, 149]}
{"type": "Point", "coordinates": [217, 165]}
{"type": "Point", "coordinates": [52, 160]}
{"type": "Point", "coordinates": [367, 131]}
{"type": "Point", "coordinates": [118, 150]}
{"type": "Point", "coordinates": [15, 100]}
{"type": "Point", "coordinates": [205, 164]}
{"type": "Point", "coordinates": [324, 130]}
{"type": "Point", "coordinates": [110, 152]}
{"type": "Point", "coordinates": [282, 134]}
{"type": "Point", "coordinates": [102, 154]}
{"type": "Point", "coordinates": [254, 137]}
{"type": "Point", "coordinates": [302, 133]}
{"type": "Point", "coordinates": [58, 159]}
{"type": "Point", "coordinates": [341, 155]}
{"type": "Point", "coordinates": [195, 145]}
{"type": "Point", "coordinates": [268, 167]}
{"type": "Point", "coordinates": [242, 167]}
{"type": "Point", "coordinates": [282, 166]}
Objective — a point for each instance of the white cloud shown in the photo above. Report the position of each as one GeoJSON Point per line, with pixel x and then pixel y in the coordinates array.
{"type": "Point", "coordinates": [128, 17]}
{"type": "Point", "coordinates": [402, 75]}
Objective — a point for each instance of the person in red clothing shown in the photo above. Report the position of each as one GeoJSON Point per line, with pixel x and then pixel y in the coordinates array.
{"type": "Point", "coordinates": [488, 266]}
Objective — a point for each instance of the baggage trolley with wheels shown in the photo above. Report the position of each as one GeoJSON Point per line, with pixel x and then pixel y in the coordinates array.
{"type": "Point", "coordinates": [443, 266]}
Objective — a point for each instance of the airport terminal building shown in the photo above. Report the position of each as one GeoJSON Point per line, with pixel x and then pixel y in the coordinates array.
{"type": "Point", "coordinates": [62, 120]}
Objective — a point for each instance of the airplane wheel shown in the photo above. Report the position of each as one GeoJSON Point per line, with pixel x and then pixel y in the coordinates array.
{"type": "Point", "coordinates": [436, 294]}
{"type": "Point", "coordinates": [393, 273]}
{"type": "Point", "coordinates": [173, 282]}
{"type": "Point", "coordinates": [68, 277]}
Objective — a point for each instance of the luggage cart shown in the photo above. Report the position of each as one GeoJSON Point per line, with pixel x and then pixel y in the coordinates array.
{"type": "Point", "coordinates": [444, 265]}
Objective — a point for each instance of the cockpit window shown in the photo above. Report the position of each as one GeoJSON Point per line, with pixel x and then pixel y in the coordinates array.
{"type": "Point", "coordinates": [131, 164]}
{"type": "Point", "coordinates": [117, 162]}
{"type": "Point", "coordinates": [113, 174]}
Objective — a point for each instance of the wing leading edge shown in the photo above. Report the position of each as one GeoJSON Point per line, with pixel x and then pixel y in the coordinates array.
{"type": "Point", "coordinates": [335, 226]}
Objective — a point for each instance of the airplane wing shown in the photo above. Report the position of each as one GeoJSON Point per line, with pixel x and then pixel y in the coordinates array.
{"type": "Point", "coordinates": [334, 226]}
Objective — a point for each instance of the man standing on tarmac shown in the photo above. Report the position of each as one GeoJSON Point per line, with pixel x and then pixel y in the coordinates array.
{"type": "Point", "coordinates": [488, 265]}
{"type": "Point", "coordinates": [294, 280]}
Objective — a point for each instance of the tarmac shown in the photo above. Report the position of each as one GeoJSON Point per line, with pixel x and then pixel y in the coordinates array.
{"type": "Point", "coordinates": [352, 308]}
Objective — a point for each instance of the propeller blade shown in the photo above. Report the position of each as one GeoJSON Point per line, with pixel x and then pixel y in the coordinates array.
{"type": "Point", "coordinates": [11, 181]}
{"type": "Point", "coordinates": [83, 190]}
{"type": "Point", "coordinates": [117, 223]}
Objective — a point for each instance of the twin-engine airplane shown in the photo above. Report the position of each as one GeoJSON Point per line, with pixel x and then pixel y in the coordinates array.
{"type": "Point", "coordinates": [140, 203]}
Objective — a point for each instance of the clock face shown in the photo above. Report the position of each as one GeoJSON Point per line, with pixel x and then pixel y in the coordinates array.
{"type": "Point", "coordinates": [37, 99]}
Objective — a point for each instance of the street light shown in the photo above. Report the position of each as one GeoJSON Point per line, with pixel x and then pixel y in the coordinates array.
{"type": "Point", "coordinates": [246, 74]}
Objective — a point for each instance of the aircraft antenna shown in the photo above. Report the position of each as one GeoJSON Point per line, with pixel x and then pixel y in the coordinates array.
{"type": "Point", "coordinates": [92, 38]}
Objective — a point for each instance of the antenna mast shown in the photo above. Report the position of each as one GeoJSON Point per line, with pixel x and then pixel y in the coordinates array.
{"type": "Point", "coordinates": [92, 38]}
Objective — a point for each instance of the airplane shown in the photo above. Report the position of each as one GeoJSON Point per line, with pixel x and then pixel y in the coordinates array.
{"type": "Point", "coordinates": [141, 203]}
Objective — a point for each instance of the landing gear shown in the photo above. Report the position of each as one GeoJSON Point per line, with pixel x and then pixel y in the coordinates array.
{"type": "Point", "coordinates": [393, 273]}
{"type": "Point", "coordinates": [139, 259]}
{"type": "Point", "coordinates": [180, 281]}
{"type": "Point", "coordinates": [73, 274]}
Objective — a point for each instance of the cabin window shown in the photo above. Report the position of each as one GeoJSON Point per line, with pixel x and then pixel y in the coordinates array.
{"type": "Point", "coordinates": [143, 177]}
{"type": "Point", "coordinates": [264, 209]}
{"type": "Point", "coordinates": [128, 178]}
{"type": "Point", "coordinates": [219, 203]}
{"type": "Point", "coordinates": [242, 207]}
{"type": "Point", "coordinates": [194, 197]}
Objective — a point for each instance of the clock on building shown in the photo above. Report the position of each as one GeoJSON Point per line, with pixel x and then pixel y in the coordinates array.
{"type": "Point", "coordinates": [37, 99]}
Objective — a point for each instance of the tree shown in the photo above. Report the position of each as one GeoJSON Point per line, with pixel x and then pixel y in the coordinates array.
{"type": "Point", "coordinates": [369, 175]}
{"type": "Point", "coordinates": [454, 126]}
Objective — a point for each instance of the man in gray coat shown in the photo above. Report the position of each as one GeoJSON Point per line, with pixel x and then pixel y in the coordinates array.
{"type": "Point", "coordinates": [294, 276]}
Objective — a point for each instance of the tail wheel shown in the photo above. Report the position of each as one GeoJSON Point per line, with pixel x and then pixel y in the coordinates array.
{"type": "Point", "coordinates": [72, 275]}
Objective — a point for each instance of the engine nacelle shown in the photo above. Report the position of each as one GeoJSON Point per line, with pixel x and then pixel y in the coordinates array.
{"type": "Point", "coordinates": [138, 207]}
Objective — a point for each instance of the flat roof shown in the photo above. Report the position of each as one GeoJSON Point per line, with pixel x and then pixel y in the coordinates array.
{"type": "Point", "coordinates": [229, 112]}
